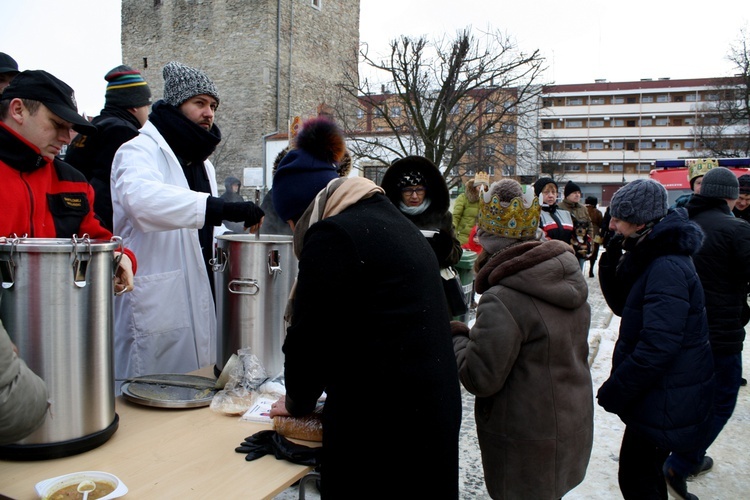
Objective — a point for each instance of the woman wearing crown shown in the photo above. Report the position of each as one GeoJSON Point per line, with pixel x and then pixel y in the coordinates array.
{"type": "Point", "coordinates": [526, 355]}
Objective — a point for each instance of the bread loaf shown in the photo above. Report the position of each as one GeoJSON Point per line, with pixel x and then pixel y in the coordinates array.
{"type": "Point", "coordinates": [308, 428]}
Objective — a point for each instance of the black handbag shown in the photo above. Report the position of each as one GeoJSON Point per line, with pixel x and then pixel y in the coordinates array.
{"type": "Point", "coordinates": [454, 291]}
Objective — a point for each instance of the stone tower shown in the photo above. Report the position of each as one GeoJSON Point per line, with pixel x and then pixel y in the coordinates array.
{"type": "Point", "coordinates": [271, 60]}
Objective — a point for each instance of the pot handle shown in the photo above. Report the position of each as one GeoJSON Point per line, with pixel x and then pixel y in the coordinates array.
{"type": "Point", "coordinates": [237, 287]}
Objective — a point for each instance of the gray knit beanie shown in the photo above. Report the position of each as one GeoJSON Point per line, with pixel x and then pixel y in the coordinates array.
{"type": "Point", "coordinates": [720, 182]}
{"type": "Point", "coordinates": [640, 201]}
{"type": "Point", "coordinates": [183, 82]}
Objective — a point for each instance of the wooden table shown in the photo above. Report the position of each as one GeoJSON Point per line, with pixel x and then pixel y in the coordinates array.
{"type": "Point", "coordinates": [167, 453]}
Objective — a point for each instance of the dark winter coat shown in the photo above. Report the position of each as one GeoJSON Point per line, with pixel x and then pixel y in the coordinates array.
{"type": "Point", "coordinates": [526, 360]}
{"type": "Point", "coordinates": [93, 154]}
{"type": "Point", "coordinates": [231, 197]}
{"type": "Point", "coordinates": [742, 214]}
{"type": "Point", "coordinates": [437, 216]}
{"type": "Point", "coordinates": [370, 321]}
{"type": "Point", "coordinates": [723, 264]}
{"type": "Point", "coordinates": [661, 382]}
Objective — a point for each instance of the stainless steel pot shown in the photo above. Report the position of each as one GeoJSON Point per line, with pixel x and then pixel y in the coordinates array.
{"type": "Point", "coordinates": [253, 276]}
{"type": "Point", "coordinates": [56, 303]}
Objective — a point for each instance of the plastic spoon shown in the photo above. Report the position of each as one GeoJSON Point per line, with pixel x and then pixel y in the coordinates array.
{"type": "Point", "coordinates": [86, 486]}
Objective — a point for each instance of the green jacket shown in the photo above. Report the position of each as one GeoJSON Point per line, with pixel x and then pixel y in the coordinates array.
{"type": "Point", "coordinates": [464, 216]}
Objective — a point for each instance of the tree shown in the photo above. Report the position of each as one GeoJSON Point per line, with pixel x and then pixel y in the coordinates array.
{"type": "Point", "coordinates": [723, 128]}
{"type": "Point", "coordinates": [456, 102]}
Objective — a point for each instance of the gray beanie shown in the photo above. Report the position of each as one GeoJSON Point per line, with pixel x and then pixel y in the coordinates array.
{"type": "Point", "coordinates": [183, 82]}
{"type": "Point", "coordinates": [640, 201]}
{"type": "Point", "coordinates": [720, 182]}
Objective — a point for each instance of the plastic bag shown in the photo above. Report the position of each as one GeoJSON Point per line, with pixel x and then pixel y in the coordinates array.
{"type": "Point", "coordinates": [245, 383]}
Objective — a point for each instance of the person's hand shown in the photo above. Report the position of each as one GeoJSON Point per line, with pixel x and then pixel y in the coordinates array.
{"type": "Point", "coordinates": [253, 216]}
{"type": "Point", "coordinates": [123, 274]}
{"type": "Point", "coordinates": [459, 328]}
{"type": "Point", "coordinates": [255, 227]}
{"type": "Point", "coordinates": [278, 409]}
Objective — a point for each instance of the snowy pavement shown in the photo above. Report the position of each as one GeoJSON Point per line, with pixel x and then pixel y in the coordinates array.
{"type": "Point", "coordinates": [729, 479]}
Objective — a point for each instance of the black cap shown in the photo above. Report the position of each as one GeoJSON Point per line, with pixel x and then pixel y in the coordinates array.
{"type": "Point", "coordinates": [7, 64]}
{"type": "Point", "coordinates": [38, 85]}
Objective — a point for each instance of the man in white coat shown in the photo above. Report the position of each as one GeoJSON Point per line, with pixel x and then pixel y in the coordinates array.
{"type": "Point", "coordinates": [166, 208]}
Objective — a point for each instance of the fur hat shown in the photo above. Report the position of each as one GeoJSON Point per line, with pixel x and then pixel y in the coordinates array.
{"type": "Point", "coordinates": [126, 88]}
{"type": "Point", "coordinates": [640, 201]}
{"type": "Point", "coordinates": [540, 184]}
{"type": "Point", "coordinates": [507, 214]}
{"type": "Point", "coordinates": [570, 188]}
{"type": "Point", "coordinates": [307, 168]}
{"type": "Point", "coordinates": [744, 181]}
{"type": "Point", "coordinates": [720, 182]}
{"type": "Point", "coordinates": [183, 82]}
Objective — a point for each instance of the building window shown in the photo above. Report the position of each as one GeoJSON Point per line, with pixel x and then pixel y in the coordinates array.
{"type": "Point", "coordinates": [630, 123]}
{"type": "Point", "coordinates": [509, 149]}
{"type": "Point", "coordinates": [490, 170]}
{"type": "Point", "coordinates": [619, 122]}
{"type": "Point", "coordinates": [573, 124]}
{"type": "Point", "coordinates": [596, 145]}
{"type": "Point", "coordinates": [572, 168]}
{"type": "Point", "coordinates": [662, 122]}
{"type": "Point", "coordinates": [617, 145]}
{"type": "Point", "coordinates": [573, 145]}
{"type": "Point", "coordinates": [490, 107]}
{"type": "Point", "coordinates": [689, 145]}
{"type": "Point", "coordinates": [360, 113]}
{"type": "Point", "coordinates": [662, 145]}
{"type": "Point", "coordinates": [644, 167]}
{"type": "Point", "coordinates": [618, 100]}
{"type": "Point", "coordinates": [596, 100]}
{"type": "Point", "coordinates": [596, 123]}
{"type": "Point", "coordinates": [646, 122]}
{"type": "Point", "coordinates": [662, 98]}
{"type": "Point", "coordinates": [489, 150]}
{"type": "Point", "coordinates": [646, 145]}
{"type": "Point", "coordinates": [396, 111]}
{"type": "Point", "coordinates": [632, 100]}
{"type": "Point", "coordinates": [318, 4]}
{"type": "Point", "coordinates": [712, 97]}
{"type": "Point", "coordinates": [595, 168]}
{"type": "Point", "coordinates": [616, 167]}
{"type": "Point", "coordinates": [575, 101]}
{"type": "Point", "coordinates": [509, 128]}
{"type": "Point", "coordinates": [509, 170]}
{"type": "Point", "coordinates": [647, 98]}
{"type": "Point", "coordinates": [691, 98]}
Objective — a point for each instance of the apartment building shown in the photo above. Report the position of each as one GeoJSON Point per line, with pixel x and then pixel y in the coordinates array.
{"type": "Point", "coordinates": [604, 134]}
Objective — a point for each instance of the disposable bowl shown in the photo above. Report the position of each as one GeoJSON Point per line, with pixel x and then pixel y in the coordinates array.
{"type": "Point", "coordinates": [49, 486]}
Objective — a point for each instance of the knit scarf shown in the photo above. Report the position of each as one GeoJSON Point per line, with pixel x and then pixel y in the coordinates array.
{"type": "Point", "coordinates": [336, 197]}
{"type": "Point", "coordinates": [190, 142]}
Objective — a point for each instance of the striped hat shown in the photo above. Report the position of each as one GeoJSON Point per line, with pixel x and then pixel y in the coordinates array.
{"type": "Point", "coordinates": [126, 88]}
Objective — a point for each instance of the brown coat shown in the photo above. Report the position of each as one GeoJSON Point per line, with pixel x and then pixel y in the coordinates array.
{"type": "Point", "coordinates": [526, 360]}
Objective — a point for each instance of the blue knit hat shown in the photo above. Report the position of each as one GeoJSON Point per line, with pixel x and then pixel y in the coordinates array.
{"type": "Point", "coordinates": [640, 201]}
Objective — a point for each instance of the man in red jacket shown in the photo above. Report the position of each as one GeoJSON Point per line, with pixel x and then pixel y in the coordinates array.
{"type": "Point", "coordinates": [44, 197]}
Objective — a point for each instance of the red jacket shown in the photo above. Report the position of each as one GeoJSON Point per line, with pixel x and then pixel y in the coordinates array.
{"type": "Point", "coordinates": [44, 198]}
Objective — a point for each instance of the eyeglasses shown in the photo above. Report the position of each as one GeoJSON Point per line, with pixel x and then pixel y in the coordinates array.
{"type": "Point", "coordinates": [410, 191]}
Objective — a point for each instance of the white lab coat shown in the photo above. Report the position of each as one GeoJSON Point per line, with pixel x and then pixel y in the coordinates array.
{"type": "Point", "coordinates": [167, 324]}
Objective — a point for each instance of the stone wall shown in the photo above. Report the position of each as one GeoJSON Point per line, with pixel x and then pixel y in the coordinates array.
{"type": "Point", "coordinates": [237, 43]}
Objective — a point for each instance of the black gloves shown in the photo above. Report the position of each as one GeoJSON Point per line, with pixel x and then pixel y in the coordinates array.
{"type": "Point", "coordinates": [272, 443]}
{"type": "Point", "coordinates": [245, 211]}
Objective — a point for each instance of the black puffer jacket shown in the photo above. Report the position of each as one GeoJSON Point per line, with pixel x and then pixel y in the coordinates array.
{"type": "Point", "coordinates": [723, 264]}
{"type": "Point", "coordinates": [437, 216]}
{"type": "Point", "coordinates": [662, 369]}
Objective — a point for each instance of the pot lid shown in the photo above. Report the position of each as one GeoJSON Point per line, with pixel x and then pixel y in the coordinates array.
{"type": "Point", "coordinates": [170, 390]}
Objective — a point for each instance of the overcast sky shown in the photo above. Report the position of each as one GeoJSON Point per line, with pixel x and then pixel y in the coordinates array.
{"type": "Point", "coordinates": [582, 40]}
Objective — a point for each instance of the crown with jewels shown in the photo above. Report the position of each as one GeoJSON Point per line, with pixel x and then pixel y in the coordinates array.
{"type": "Point", "coordinates": [482, 178]}
{"type": "Point", "coordinates": [517, 218]}
{"type": "Point", "coordinates": [700, 166]}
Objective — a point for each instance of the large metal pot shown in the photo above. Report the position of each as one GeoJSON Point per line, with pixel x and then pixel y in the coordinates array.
{"type": "Point", "coordinates": [253, 276]}
{"type": "Point", "coordinates": [56, 303]}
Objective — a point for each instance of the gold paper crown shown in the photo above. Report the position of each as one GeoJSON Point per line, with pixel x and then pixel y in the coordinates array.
{"type": "Point", "coordinates": [482, 178]}
{"type": "Point", "coordinates": [700, 166]}
{"type": "Point", "coordinates": [518, 218]}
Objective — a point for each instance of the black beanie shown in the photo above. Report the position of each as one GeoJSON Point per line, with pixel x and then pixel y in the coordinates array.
{"type": "Point", "coordinates": [720, 182]}
{"type": "Point", "coordinates": [126, 88]}
{"type": "Point", "coordinates": [570, 188]}
{"type": "Point", "coordinates": [744, 181]}
{"type": "Point", "coordinates": [541, 183]}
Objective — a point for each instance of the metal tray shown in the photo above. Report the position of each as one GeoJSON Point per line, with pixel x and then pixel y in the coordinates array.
{"type": "Point", "coordinates": [170, 396]}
